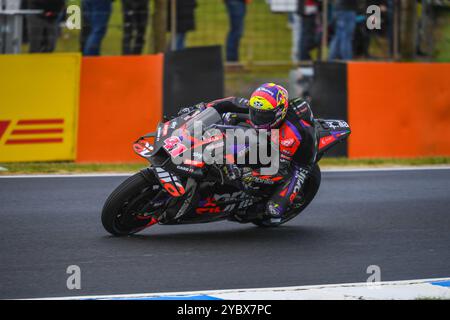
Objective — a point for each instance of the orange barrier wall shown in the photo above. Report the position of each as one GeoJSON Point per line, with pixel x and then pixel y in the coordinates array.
{"type": "Point", "coordinates": [120, 100]}
{"type": "Point", "coordinates": [399, 109]}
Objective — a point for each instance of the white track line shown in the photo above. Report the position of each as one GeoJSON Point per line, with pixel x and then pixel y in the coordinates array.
{"type": "Point", "coordinates": [333, 291]}
{"type": "Point", "coordinates": [127, 174]}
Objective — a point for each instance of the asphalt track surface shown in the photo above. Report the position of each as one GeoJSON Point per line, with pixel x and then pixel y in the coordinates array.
{"type": "Point", "coordinates": [398, 220]}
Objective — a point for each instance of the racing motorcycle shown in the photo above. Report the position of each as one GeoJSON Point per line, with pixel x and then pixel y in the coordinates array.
{"type": "Point", "coordinates": [169, 192]}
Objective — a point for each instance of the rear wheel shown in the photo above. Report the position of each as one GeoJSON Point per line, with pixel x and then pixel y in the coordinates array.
{"type": "Point", "coordinates": [310, 189]}
{"type": "Point", "coordinates": [130, 208]}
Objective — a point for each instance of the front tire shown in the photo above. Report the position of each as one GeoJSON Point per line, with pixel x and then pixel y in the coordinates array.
{"type": "Point", "coordinates": [122, 211]}
{"type": "Point", "coordinates": [311, 187]}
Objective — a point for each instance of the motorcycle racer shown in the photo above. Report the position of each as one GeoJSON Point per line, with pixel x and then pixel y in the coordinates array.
{"type": "Point", "coordinates": [269, 108]}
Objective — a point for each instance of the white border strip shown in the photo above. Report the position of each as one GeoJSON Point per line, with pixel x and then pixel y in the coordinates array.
{"type": "Point", "coordinates": [127, 174]}
{"type": "Point", "coordinates": [381, 169]}
{"type": "Point", "coordinates": [407, 289]}
{"type": "Point", "coordinates": [80, 175]}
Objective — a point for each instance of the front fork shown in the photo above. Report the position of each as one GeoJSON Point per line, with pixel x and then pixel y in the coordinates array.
{"type": "Point", "coordinates": [190, 198]}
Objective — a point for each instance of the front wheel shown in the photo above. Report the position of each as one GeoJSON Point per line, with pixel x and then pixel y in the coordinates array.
{"type": "Point", "coordinates": [130, 207]}
{"type": "Point", "coordinates": [310, 189]}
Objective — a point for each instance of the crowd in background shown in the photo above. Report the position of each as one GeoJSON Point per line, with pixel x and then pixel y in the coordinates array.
{"type": "Point", "coordinates": [43, 29]}
{"type": "Point", "coordinates": [348, 34]}
{"type": "Point", "coordinates": [347, 28]}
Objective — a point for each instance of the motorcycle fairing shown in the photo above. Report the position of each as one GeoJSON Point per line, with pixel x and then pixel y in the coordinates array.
{"type": "Point", "coordinates": [170, 182]}
{"type": "Point", "coordinates": [331, 132]}
{"type": "Point", "coordinates": [215, 203]}
{"type": "Point", "coordinates": [143, 148]}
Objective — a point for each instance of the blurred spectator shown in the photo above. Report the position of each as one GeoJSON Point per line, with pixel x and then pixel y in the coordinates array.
{"type": "Point", "coordinates": [24, 6]}
{"type": "Point", "coordinates": [135, 19]}
{"type": "Point", "coordinates": [296, 26]}
{"type": "Point", "coordinates": [85, 29]}
{"type": "Point", "coordinates": [361, 39]}
{"type": "Point", "coordinates": [308, 10]}
{"type": "Point", "coordinates": [97, 14]}
{"type": "Point", "coordinates": [389, 9]}
{"type": "Point", "coordinates": [185, 21]}
{"type": "Point", "coordinates": [421, 27]}
{"type": "Point", "coordinates": [43, 28]}
{"type": "Point", "coordinates": [341, 46]}
{"type": "Point", "coordinates": [237, 10]}
{"type": "Point", "coordinates": [363, 36]}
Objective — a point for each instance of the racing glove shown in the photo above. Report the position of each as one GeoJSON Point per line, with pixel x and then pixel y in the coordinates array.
{"type": "Point", "coordinates": [229, 118]}
{"type": "Point", "coordinates": [233, 172]}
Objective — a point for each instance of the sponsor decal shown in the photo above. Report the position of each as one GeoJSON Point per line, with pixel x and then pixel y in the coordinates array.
{"type": "Point", "coordinates": [258, 104]}
{"type": "Point", "coordinates": [144, 150]}
{"type": "Point", "coordinates": [286, 152]}
{"type": "Point", "coordinates": [170, 182]}
{"type": "Point", "coordinates": [324, 141]}
{"type": "Point", "coordinates": [336, 124]}
{"type": "Point", "coordinates": [287, 142]}
{"type": "Point", "coordinates": [165, 129]}
{"type": "Point", "coordinates": [338, 134]}
{"type": "Point", "coordinates": [266, 91]}
{"type": "Point", "coordinates": [198, 164]}
{"type": "Point", "coordinates": [209, 205]}
{"type": "Point", "coordinates": [174, 146]}
{"type": "Point", "coordinates": [197, 155]}
{"type": "Point", "coordinates": [186, 169]}
{"type": "Point", "coordinates": [33, 131]}
{"type": "Point", "coordinates": [300, 177]}
{"type": "Point", "coordinates": [158, 133]}
{"type": "Point", "coordinates": [259, 180]}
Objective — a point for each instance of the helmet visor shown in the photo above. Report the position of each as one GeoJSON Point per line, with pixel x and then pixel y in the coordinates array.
{"type": "Point", "coordinates": [262, 117]}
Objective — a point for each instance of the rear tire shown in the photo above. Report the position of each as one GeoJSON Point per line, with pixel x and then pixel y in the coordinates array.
{"type": "Point", "coordinates": [127, 199]}
{"type": "Point", "coordinates": [311, 187]}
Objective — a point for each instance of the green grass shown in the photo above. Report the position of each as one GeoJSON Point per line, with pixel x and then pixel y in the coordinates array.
{"type": "Point", "coordinates": [71, 168]}
{"type": "Point", "coordinates": [67, 167]}
{"type": "Point", "coordinates": [381, 162]}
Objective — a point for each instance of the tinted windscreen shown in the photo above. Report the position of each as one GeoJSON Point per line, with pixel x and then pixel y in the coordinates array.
{"type": "Point", "coordinates": [206, 117]}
